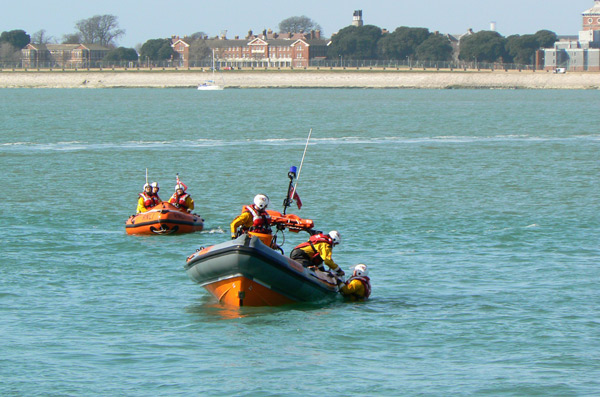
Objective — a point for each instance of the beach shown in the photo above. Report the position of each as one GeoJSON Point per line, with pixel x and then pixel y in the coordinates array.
{"type": "Point", "coordinates": [314, 78]}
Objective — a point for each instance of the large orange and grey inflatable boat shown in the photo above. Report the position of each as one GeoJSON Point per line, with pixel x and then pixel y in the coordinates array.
{"type": "Point", "coordinates": [164, 218]}
{"type": "Point", "coordinates": [246, 272]}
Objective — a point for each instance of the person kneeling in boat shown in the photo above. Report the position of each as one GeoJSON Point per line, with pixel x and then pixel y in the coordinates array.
{"type": "Point", "coordinates": [147, 200]}
{"type": "Point", "coordinates": [254, 218]}
{"type": "Point", "coordinates": [358, 286]}
{"type": "Point", "coordinates": [317, 250]}
{"type": "Point", "coordinates": [155, 189]}
{"type": "Point", "coordinates": [181, 199]}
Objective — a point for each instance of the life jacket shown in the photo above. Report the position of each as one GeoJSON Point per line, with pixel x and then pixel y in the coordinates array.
{"type": "Point", "coordinates": [180, 200]}
{"type": "Point", "coordinates": [366, 282]}
{"type": "Point", "coordinates": [149, 200]}
{"type": "Point", "coordinates": [314, 239]}
{"type": "Point", "coordinates": [261, 220]}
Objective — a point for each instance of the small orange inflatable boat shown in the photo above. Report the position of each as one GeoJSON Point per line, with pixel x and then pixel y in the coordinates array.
{"type": "Point", "coordinates": [164, 218]}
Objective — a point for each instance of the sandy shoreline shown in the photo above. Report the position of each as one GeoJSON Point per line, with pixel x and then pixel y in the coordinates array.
{"type": "Point", "coordinates": [302, 79]}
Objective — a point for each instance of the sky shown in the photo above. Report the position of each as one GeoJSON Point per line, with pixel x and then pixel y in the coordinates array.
{"type": "Point", "coordinates": [151, 19]}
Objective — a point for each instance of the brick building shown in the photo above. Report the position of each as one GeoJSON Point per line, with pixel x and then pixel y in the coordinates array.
{"type": "Point", "coordinates": [582, 54]}
{"type": "Point", "coordinates": [267, 49]}
{"type": "Point", "coordinates": [62, 55]}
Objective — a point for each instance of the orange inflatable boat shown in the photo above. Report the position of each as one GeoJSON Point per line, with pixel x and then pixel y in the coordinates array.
{"type": "Point", "coordinates": [164, 218]}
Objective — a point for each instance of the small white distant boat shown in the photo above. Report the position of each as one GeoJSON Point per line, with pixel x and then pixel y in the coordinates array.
{"type": "Point", "coordinates": [211, 85]}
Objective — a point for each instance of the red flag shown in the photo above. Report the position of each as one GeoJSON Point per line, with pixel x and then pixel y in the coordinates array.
{"type": "Point", "coordinates": [296, 198]}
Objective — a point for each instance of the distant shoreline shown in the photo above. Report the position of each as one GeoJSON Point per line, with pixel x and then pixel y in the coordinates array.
{"type": "Point", "coordinates": [312, 78]}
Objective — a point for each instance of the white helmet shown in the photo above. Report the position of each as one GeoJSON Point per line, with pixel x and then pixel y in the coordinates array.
{"type": "Point", "coordinates": [335, 236]}
{"type": "Point", "coordinates": [179, 186]}
{"type": "Point", "coordinates": [361, 270]}
{"type": "Point", "coordinates": [145, 186]}
{"type": "Point", "coordinates": [261, 201]}
{"type": "Point", "coordinates": [154, 184]}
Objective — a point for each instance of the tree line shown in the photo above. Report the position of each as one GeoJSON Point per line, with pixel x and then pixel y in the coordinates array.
{"type": "Point", "coordinates": [371, 42]}
{"type": "Point", "coordinates": [366, 42]}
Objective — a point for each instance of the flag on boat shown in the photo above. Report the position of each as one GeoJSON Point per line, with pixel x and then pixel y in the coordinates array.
{"type": "Point", "coordinates": [294, 196]}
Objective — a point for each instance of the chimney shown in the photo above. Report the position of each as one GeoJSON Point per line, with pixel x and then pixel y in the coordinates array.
{"type": "Point", "coordinates": [317, 34]}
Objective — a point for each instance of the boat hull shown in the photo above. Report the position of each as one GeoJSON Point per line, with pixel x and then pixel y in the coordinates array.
{"type": "Point", "coordinates": [245, 272]}
{"type": "Point", "coordinates": [164, 219]}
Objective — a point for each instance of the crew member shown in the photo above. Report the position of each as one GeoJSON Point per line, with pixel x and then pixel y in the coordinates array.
{"type": "Point", "coordinates": [317, 250]}
{"type": "Point", "coordinates": [181, 199]}
{"type": "Point", "coordinates": [253, 218]}
{"type": "Point", "coordinates": [147, 200]}
{"type": "Point", "coordinates": [155, 189]}
{"type": "Point", "coordinates": [358, 286]}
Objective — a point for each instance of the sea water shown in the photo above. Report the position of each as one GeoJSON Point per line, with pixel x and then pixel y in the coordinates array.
{"type": "Point", "coordinates": [477, 212]}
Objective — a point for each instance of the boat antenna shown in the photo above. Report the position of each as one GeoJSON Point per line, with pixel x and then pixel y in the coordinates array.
{"type": "Point", "coordinates": [146, 175]}
{"type": "Point", "coordinates": [302, 162]}
{"type": "Point", "coordinates": [292, 174]}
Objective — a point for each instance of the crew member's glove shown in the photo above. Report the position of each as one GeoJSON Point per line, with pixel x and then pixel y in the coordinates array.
{"type": "Point", "coordinates": [339, 272]}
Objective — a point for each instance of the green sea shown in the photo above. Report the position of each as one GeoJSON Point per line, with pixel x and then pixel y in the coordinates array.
{"type": "Point", "coordinates": [477, 212]}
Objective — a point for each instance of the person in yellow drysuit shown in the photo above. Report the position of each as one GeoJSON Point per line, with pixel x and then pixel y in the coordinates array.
{"type": "Point", "coordinates": [147, 200]}
{"type": "Point", "coordinates": [317, 250]}
{"type": "Point", "coordinates": [253, 217]}
{"type": "Point", "coordinates": [358, 286]}
{"type": "Point", "coordinates": [181, 199]}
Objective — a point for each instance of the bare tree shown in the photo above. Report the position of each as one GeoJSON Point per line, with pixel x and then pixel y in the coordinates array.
{"type": "Point", "coordinates": [9, 53]}
{"type": "Point", "coordinates": [298, 25]}
{"type": "Point", "coordinates": [99, 29]}
{"type": "Point", "coordinates": [73, 38]}
{"type": "Point", "coordinates": [40, 37]}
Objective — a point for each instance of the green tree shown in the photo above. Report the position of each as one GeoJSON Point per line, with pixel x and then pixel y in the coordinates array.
{"type": "Point", "coordinates": [546, 38]}
{"type": "Point", "coordinates": [435, 48]}
{"type": "Point", "coordinates": [355, 42]}
{"type": "Point", "coordinates": [17, 38]}
{"type": "Point", "coordinates": [402, 43]}
{"type": "Point", "coordinates": [157, 50]}
{"type": "Point", "coordinates": [99, 29]}
{"type": "Point", "coordinates": [484, 46]}
{"type": "Point", "coordinates": [121, 54]}
{"type": "Point", "coordinates": [521, 49]}
{"type": "Point", "coordinates": [298, 25]}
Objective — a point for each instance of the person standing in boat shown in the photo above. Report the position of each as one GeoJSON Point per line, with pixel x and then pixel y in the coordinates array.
{"type": "Point", "coordinates": [357, 287]}
{"type": "Point", "coordinates": [253, 218]}
{"type": "Point", "coordinates": [147, 200]}
{"type": "Point", "coordinates": [181, 199]}
{"type": "Point", "coordinates": [317, 251]}
{"type": "Point", "coordinates": [155, 189]}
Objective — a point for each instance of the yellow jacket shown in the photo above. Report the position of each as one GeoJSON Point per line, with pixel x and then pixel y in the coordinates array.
{"type": "Point", "coordinates": [245, 219]}
{"type": "Point", "coordinates": [355, 289]}
{"type": "Point", "coordinates": [140, 206]}
{"type": "Point", "coordinates": [324, 251]}
{"type": "Point", "coordinates": [189, 203]}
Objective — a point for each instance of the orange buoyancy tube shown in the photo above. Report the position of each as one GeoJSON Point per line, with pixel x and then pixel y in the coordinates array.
{"type": "Point", "coordinates": [293, 222]}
